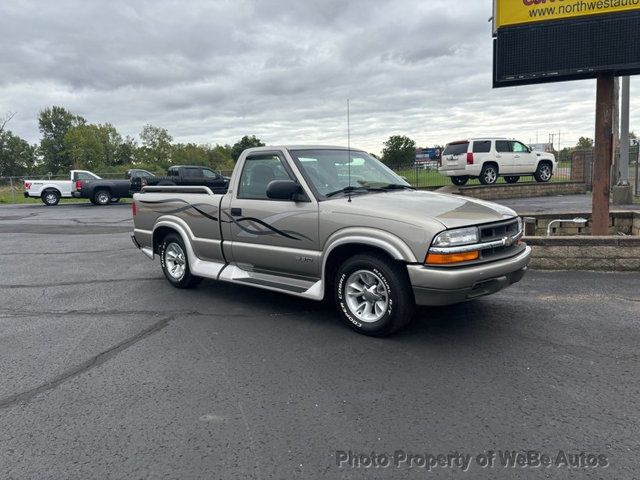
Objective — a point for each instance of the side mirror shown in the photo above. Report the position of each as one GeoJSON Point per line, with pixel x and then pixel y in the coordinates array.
{"type": "Point", "coordinates": [283, 190]}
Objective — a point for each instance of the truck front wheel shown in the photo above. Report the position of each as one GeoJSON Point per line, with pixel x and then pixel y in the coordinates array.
{"type": "Point", "coordinates": [175, 264]}
{"type": "Point", "coordinates": [373, 294]}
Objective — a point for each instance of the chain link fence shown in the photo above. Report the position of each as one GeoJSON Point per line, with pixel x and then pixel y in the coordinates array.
{"type": "Point", "coordinates": [426, 175]}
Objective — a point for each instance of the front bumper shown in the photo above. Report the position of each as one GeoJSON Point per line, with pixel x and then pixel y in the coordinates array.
{"type": "Point", "coordinates": [446, 286]}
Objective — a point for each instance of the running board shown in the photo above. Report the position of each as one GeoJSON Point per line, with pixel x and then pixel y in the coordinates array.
{"type": "Point", "coordinates": [292, 286]}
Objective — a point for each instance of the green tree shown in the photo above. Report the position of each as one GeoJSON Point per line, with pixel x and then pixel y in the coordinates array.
{"type": "Point", "coordinates": [17, 157]}
{"type": "Point", "coordinates": [85, 147]}
{"type": "Point", "coordinates": [399, 151]}
{"type": "Point", "coordinates": [156, 146]}
{"type": "Point", "coordinates": [126, 151]}
{"type": "Point", "coordinates": [584, 142]}
{"type": "Point", "coordinates": [190, 154]}
{"type": "Point", "coordinates": [244, 143]}
{"type": "Point", "coordinates": [221, 157]}
{"type": "Point", "coordinates": [54, 123]}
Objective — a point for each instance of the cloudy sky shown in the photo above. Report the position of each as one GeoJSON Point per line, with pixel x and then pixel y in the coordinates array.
{"type": "Point", "coordinates": [212, 71]}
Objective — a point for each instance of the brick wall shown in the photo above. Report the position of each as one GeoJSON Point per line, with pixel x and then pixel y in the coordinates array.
{"type": "Point", "coordinates": [610, 253]}
{"type": "Point", "coordinates": [522, 190]}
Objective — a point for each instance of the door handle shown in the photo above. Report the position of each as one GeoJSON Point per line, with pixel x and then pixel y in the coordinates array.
{"type": "Point", "coordinates": [236, 212]}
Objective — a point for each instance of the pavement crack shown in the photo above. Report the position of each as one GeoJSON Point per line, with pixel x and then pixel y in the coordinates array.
{"type": "Point", "coordinates": [91, 363]}
{"type": "Point", "coordinates": [84, 282]}
{"type": "Point", "coordinates": [79, 252]}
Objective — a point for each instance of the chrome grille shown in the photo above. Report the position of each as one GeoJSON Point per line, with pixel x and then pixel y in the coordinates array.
{"type": "Point", "coordinates": [497, 231]}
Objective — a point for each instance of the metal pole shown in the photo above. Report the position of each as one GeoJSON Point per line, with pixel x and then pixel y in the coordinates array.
{"type": "Point", "coordinates": [624, 134]}
{"type": "Point", "coordinates": [603, 154]}
{"type": "Point", "coordinates": [13, 194]}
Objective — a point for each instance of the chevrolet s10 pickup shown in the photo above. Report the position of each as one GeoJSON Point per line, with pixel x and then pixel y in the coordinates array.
{"type": "Point", "coordinates": [320, 222]}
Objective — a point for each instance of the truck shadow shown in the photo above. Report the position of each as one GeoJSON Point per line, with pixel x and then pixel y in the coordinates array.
{"type": "Point", "coordinates": [470, 321]}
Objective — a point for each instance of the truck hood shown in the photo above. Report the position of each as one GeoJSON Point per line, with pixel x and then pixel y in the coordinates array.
{"type": "Point", "coordinates": [423, 208]}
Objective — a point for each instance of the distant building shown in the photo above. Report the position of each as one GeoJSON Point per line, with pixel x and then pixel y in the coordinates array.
{"type": "Point", "coordinates": [542, 147]}
{"type": "Point", "coordinates": [427, 158]}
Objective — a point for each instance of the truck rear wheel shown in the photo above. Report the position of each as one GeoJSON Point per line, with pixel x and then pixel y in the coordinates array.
{"type": "Point", "coordinates": [50, 198]}
{"type": "Point", "coordinates": [175, 263]}
{"type": "Point", "coordinates": [488, 174]}
{"type": "Point", "coordinates": [373, 294]}
{"type": "Point", "coordinates": [459, 180]}
{"type": "Point", "coordinates": [102, 197]}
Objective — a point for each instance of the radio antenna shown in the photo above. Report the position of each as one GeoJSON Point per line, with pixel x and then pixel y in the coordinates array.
{"type": "Point", "coordinates": [349, 147]}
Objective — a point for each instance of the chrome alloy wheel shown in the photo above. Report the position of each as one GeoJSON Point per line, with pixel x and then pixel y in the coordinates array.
{"type": "Point", "coordinates": [545, 172]}
{"type": "Point", "coordinates": [103, 198]}
{"type": "Point", "coordinates": [175, 261]}
{"type": "Point", "coordinates": [367, 296]}
{"type": "Point", "coordinates": [490, 175]}
{"type": "Point", "coordinates": [50, 198]}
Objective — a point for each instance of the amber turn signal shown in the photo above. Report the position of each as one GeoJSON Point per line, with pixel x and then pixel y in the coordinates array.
{"type": "Point", "coordinates": [447, 258]}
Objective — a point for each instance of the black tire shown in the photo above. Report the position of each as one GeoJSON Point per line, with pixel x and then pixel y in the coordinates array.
{"type": "Point", "coordinates": [171, 244]}
{"type": "Point", "coordinates": [511, 179]}
{"type": "Point", "coordinates": [389, 285]}
{"type": "Point", "coordinates": [459, 180]}
{"type": "Point", "coordinates": [50, 198]}
{"type": "Point", "coordinates": [488, 174]}
{"type": "Point", "coordinates": [102, 197]}
{"type": "Point", "coordinates": [544, 172]}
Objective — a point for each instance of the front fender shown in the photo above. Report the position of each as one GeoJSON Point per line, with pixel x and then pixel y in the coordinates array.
{"type": "Point", "coordinates": [390, 243]}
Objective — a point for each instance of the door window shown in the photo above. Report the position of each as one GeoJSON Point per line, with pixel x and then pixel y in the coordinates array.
{"type": "Point", "coordinates": [258, 172]}
{"type": "Point", "coordinates": [520, 148]}
{"type": "Point", "coordinates": [209, 173]}
{"type": "Point", "coordinates": [85, 176]}
{"type": "Point", "coordinates": [483, 146]}
{"type": "Point", "coordinates": [503, 146]}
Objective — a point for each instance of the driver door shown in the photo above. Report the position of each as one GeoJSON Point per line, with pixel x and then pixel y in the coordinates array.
{"type": "Point", "coordinates": [277, 237]}
{"type": "Point", "coordinates": [524, 160]}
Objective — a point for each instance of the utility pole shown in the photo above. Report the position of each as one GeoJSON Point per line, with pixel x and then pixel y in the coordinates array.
{"type": "Point", "coordinates": [603, 154]}
{"type": "Point", "coordinates": [624, 133]}
{"type": "Point", "coordinates": [622, 194]}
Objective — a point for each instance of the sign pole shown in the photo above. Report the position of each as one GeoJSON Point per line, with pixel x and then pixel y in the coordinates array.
{"type": "Point", "coordinates": [603, 154]}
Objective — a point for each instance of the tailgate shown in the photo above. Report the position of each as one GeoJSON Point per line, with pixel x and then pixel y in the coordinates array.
{"type": "Point", "coordinates": [454, 156]}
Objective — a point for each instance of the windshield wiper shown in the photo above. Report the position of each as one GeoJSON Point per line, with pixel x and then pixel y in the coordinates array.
{"type": "Point", "coordinates": [349, 189]}
{"type": "Point", "coordinates": [396, 186]}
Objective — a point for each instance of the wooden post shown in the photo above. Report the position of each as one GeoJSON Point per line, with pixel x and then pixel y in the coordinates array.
{"type": "Point", "coordinates": [603, 154]}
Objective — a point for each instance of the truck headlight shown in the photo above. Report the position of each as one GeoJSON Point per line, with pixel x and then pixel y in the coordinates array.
{"type": "Point", "coordinates": [458, 236]}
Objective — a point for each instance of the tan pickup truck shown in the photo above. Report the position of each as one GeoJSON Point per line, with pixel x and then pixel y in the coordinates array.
{"type": "Point", "coordinates": [317, 221]}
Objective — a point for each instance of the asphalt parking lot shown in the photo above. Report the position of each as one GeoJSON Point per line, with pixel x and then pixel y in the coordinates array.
{"type": "Point", "coordinates": [106, 371]}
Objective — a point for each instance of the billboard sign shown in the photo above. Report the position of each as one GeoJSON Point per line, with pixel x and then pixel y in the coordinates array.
{"type": "Point", "coordinates": [519, 12]}
{"type": "Point", "coordinates": [539, 41]}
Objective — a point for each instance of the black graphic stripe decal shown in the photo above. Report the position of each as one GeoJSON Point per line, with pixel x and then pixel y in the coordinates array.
{"type": "Point", "coordinates": [270, 229]}
{"type": "Point", "coordinates": [255, 223]}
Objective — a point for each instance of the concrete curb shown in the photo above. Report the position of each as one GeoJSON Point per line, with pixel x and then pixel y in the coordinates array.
{"type": "Point", "coordinates": [519, 190]}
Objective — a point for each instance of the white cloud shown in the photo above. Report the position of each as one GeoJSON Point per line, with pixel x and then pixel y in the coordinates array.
{"type": "Point", "coordinates": [212, 71]}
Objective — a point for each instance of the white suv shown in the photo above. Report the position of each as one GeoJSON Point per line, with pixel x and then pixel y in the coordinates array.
{"type": "Point", "coordinates": [490, 158]}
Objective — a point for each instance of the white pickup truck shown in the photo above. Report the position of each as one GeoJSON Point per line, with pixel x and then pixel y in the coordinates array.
{"type": "Point", "coordinates": [51, 191]}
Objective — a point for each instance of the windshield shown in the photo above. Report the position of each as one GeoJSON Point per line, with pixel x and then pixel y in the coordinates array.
{"type": "Point", "coordinates": [328, 171]}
